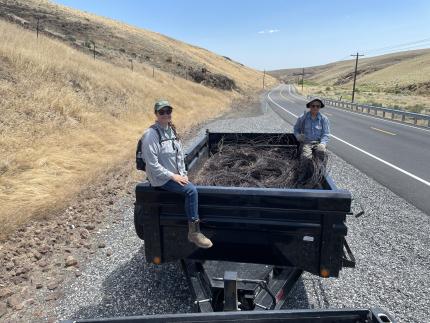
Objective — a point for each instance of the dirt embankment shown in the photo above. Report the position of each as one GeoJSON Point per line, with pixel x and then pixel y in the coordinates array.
{"type": "Point", "coordinates": [39, 256]}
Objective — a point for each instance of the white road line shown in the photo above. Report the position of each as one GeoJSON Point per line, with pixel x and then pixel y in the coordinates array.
{"type": "Point", "coordinates": [361, 150]}
{"type": "Point", "coordinates": [294, 94]}
{"type": "Point", "coordinates": [364, 115]}
{"type": "Point", "coordinates": [288, 99]}
{"type": "Point", "coordinates": [385, 162]}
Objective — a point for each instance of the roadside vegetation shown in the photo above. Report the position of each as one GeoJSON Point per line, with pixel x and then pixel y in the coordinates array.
{"type": "Point", "coordinates": [399, 80]}
{"type": "Point", "coordinates": [370, 95]}
{"type": "Point", "coordinates": [67, 118]}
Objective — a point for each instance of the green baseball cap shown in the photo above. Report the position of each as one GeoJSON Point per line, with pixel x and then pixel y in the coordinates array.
{"type": "Point", "coordinates": [160, 104]}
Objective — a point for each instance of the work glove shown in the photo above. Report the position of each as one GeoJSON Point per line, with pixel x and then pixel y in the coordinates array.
{"type": "Point", "coordinates": [300, 137]}
{"type": "Point", "coordinates": [321, 147]}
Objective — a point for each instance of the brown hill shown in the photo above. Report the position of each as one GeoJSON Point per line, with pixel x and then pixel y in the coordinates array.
{"type": "Point", "coordinates": [398, 79]}
{"type": "Point", "coordinates": [67, 118]}
{"type": "Point", "coordinates": [121, 44]}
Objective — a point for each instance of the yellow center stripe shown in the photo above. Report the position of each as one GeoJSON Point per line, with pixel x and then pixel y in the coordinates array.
{"type": "Point", "coordinates": [384, 131]}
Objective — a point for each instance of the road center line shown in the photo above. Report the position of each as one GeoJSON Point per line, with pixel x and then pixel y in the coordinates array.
{"type": "Point", "coordinates": [383, 131]}
{"type": "Point", "coordinates": [361, 150]}
{"type": "Point", "coordinates": [288, 99]}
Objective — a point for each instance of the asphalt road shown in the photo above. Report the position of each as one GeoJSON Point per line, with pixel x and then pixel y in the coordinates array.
{"type": "Point", "coordinates": [394, 154]}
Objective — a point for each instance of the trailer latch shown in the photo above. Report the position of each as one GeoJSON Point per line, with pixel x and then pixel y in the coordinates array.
{"type": "Point", "coordinates": [202, 301]}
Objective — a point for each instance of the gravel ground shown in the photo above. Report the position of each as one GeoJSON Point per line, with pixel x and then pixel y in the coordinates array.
{"type": "Point", "coordinates": [390, 242]}
{"type": "Point", "coordinates": [124, 284]}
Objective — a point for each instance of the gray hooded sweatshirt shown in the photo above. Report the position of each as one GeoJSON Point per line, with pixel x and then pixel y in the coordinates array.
{"type": "Point", "coordinates": [162, 161]}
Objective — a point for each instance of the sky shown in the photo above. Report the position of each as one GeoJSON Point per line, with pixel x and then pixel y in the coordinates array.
{"type": "Point", "coordinates": [276, 34]}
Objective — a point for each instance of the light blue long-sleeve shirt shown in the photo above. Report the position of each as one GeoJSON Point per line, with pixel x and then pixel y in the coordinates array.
{"type": "Point", "coordinates": [317, 129]}
{"type": "Point", "coordinates": [162, 161]}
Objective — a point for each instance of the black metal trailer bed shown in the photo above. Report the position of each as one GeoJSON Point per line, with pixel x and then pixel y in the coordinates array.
{"type": "Point", "coordinates": [301, 228]}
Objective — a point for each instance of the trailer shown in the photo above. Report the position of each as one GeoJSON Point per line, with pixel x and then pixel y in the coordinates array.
{"type": "Point", "coordinates": [263, 240]}
{"type": "Point", "coordinates": [293, 228]}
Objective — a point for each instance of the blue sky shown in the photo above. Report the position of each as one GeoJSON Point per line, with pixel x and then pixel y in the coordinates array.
{"type": "Point", "coordinates": [276, 34]}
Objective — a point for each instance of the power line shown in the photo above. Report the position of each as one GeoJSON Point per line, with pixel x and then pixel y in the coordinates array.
{"type": "Point", "coordinates": [414, 47]}
{"type": "Point", "coordinates": [418, 44]}
{"type": "Point", "coordinates": [392, 47]}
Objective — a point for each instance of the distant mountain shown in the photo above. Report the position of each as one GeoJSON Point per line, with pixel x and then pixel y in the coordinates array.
{"type": "Point", "coordinates": [406, 72]}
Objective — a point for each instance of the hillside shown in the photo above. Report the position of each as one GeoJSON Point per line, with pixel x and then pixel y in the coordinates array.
{"type": "Point", "coordinates": [67, 118]}
{"type": "Point", "coordinates": [399, 79]}
{"type": "Point", "coordinates": [119, 43]}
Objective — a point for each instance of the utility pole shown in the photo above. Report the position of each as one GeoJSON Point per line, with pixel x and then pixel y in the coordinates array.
{"type": "Point", "coordinates": [303, 76]}
{"type": "Point", "coordinates": [131, 64]}
{"type": "Point", "coordinates": [94, 49]}
{"type": "Point", "coordinates": [264, 76]}
{"type": "Point", "coordinates": [37, 28]}
{"type": "Point", "coordinates": [355, 74]}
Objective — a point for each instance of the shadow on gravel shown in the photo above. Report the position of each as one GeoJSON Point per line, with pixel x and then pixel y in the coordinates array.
{"type": "Point", "coordinates": [138, 288]}
{"type": "Point", "coordinates": [297, 299]}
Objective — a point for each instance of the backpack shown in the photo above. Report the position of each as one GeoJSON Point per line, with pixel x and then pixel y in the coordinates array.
{"type": "Point", "coordinates": [140, 162]}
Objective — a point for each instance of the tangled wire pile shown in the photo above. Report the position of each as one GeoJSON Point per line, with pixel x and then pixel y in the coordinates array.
{"type": "Point", "coordinates": [258, 165]}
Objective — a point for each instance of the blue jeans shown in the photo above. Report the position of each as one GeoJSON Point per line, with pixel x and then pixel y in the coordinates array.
{"type": "Point", "coordinates": [191, 197]}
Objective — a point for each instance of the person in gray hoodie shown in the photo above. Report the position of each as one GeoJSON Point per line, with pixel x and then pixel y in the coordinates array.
{"type": "Point", "coordinates": [165, 167]}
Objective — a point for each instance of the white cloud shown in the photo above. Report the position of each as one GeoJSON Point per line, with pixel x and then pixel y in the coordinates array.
{"type": "Point", "coordinates": [268, 31]}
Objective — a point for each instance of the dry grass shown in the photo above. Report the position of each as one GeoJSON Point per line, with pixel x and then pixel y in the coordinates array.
{"type": "Point", "coordinates": [118, 42]}
{"type": "Point", "coordinates": [399, 80]}
{"type": "Point", "coordinates": [66, 119]}
{"type": "Point", "coordinates": [413, 103]}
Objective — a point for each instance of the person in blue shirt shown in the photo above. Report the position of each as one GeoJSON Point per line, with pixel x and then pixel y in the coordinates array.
{"type": "Point", "coordinates": [312, 130]}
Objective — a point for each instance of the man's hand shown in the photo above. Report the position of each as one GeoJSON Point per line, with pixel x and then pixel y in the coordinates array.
{"type": "Point", "coordinates": [300, 137]}
{"type": "Point", "coordinates": [182, 180]}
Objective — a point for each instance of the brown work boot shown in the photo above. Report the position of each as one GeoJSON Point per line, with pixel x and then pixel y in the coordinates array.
{"type": "Point", "coordinates": [196, 237]}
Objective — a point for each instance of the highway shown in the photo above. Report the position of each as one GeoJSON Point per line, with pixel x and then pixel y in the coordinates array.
{"type": "Point", "coordinates": [394, 154]}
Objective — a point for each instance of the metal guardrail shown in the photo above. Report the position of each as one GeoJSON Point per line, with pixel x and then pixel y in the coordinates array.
{"type": "Point", "coordinates": [386, 113]}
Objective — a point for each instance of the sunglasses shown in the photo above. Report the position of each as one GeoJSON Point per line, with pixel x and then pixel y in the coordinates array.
{"type": "Point", "coordinates": [162, 112]}
{"type": "Point", "coordinates": [315, 106]}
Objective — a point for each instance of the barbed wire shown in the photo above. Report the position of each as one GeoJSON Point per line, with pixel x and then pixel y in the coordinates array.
{"type": "Point", "coordinates": [259, 164]}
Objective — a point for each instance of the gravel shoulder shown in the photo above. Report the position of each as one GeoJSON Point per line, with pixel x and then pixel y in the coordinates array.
{"type": "Point", "coordinates": [391, 243]}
